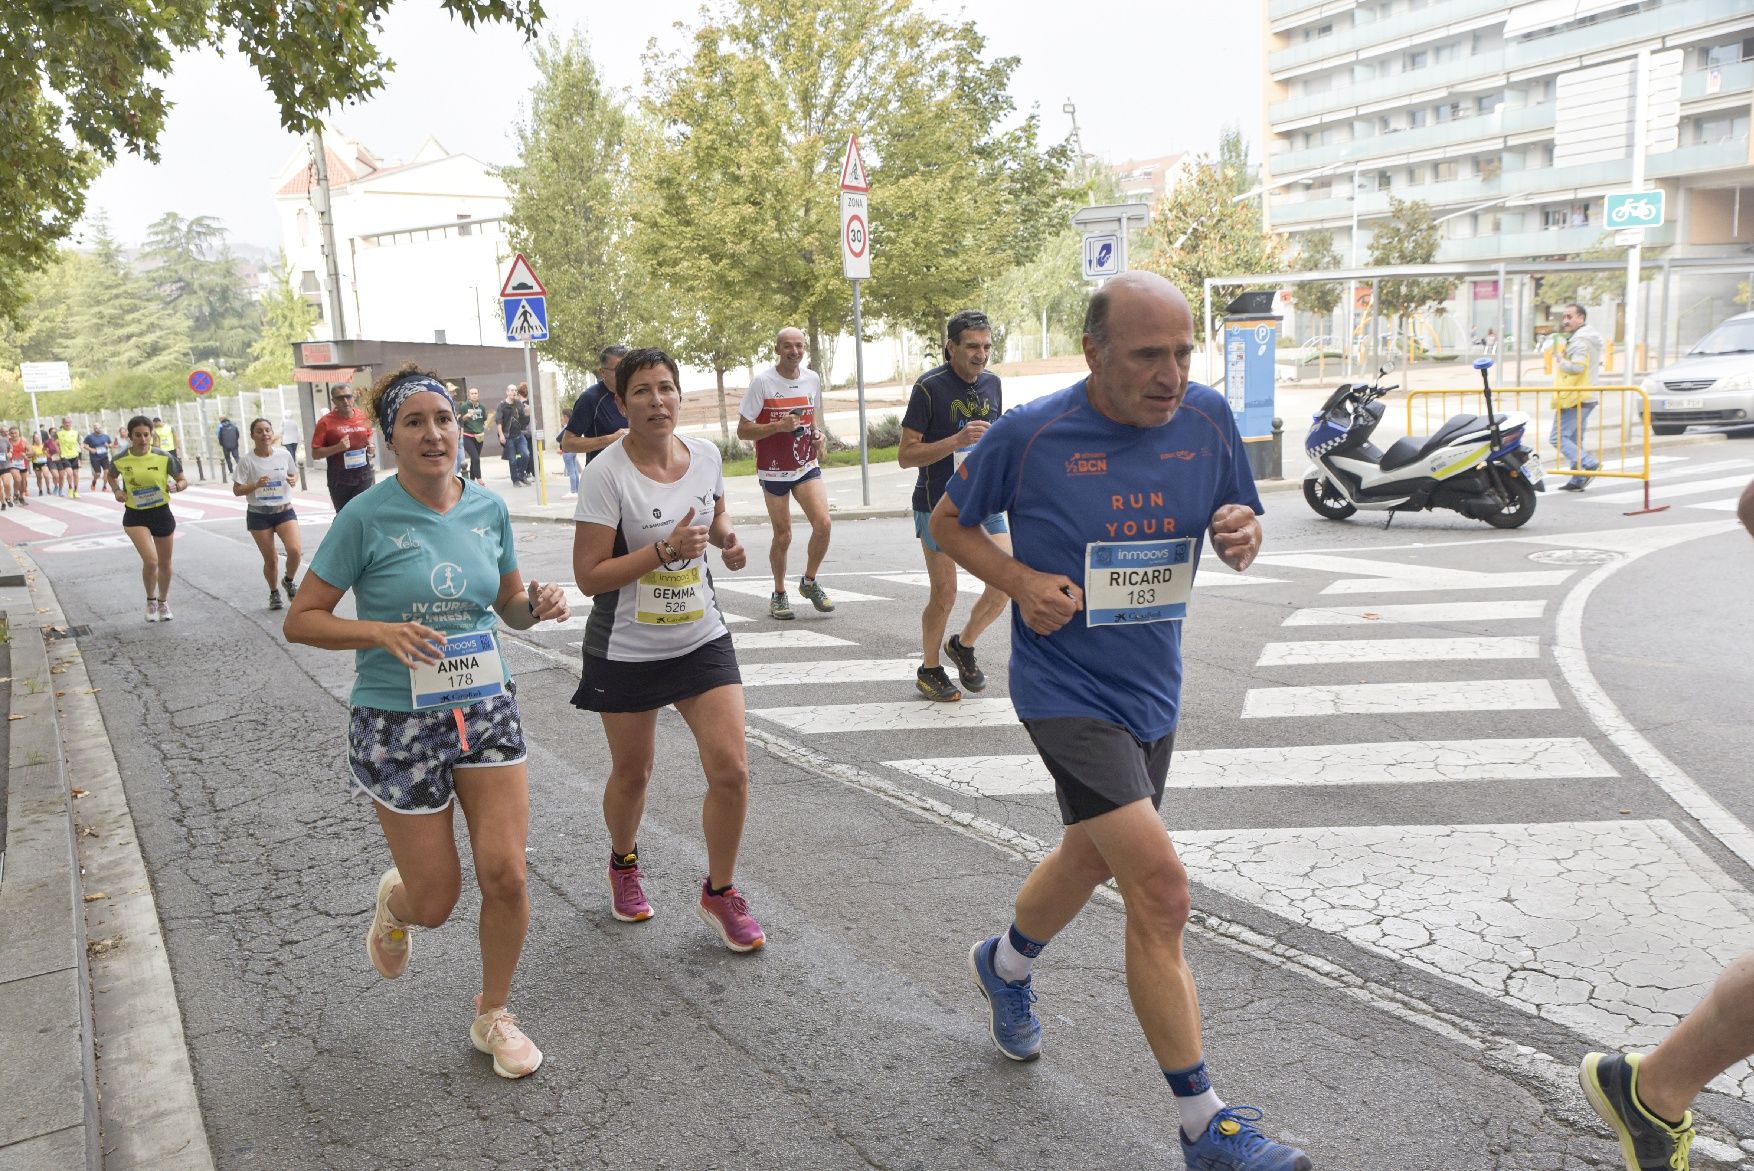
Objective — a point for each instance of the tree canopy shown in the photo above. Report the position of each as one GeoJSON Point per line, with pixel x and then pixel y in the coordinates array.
{"type": "Point", "coordinates": [78, 86]}
{"type": "Point", "coordinates": [1199, 231]}
{"type": "Point", "coordinates": [754, 116]}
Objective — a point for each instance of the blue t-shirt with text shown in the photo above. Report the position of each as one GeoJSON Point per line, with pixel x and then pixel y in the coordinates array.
{"type": "Point", "coordinates": [406, 563]}
{"type": "Point", "coordinates": [1068, 476]}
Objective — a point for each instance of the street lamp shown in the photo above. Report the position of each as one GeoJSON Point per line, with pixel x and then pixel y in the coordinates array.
{"type": "Point", "coordinates": [1071, 111]}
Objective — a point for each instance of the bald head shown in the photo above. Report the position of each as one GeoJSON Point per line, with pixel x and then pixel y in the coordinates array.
{"type": "Point", "coordinates": [1138, 343]}
{"type": "Point", "coordinates": [788, 347]}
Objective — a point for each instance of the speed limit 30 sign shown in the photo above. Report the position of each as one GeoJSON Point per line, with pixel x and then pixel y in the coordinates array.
{"type": "Point", "coordinates": [855, 235]}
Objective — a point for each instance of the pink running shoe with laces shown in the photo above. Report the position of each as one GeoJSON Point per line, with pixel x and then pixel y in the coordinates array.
{"type": "Point", "coordinates": [628, 897]}
{"type": "Point", "coordinates": [497, 1033]}
{"type": "Point", "coordinates": [729, 915]}
{"type": "Point", "coordinates": [387, 940]}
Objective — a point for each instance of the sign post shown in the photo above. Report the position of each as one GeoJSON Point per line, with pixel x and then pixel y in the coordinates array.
{"type": "Point", "coordinates": [43, 376]}
{"type": "Point", "coordinates": [201, 382]}
{"type": "Point", "coordinates": [855, 264]}
{"type": "Point", "coordinates": [1105, 236]}
{"type": "Point", "coordinates": [1636, 209]}
{"type": "Point", "coordinates": [525, 304]}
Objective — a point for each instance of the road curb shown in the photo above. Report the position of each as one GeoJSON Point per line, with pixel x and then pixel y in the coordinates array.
{"type": "Point", "coordinates": [48, 1080]}
{"type": "Point", "coordinates": [148, 1114]}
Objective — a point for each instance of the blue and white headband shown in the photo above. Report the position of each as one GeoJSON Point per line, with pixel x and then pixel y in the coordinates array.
{"type": "Point", "coordinates": [398, 393]}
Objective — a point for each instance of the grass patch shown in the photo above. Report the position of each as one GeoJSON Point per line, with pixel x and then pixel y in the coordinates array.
{"type": "Point", "coordinates": [834, 459]}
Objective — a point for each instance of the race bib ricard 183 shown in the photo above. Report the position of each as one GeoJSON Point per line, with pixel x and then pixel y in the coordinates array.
{"type": "Point", "coordinates": [470, 670]}
{"type": "Point", "coordinates": [1128, 582]}
{"type": "Point", "coordinates": [671, 597]}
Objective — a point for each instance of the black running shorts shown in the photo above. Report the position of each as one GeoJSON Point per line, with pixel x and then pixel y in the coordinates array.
{"type": "Point", "coordinates": [1098, 766]}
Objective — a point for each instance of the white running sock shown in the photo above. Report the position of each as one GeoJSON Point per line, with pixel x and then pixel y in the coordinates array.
{"type": "Point", "coordinates": [1197, 1112]}
{"type": "Point", "coordinates": [1011, 964]}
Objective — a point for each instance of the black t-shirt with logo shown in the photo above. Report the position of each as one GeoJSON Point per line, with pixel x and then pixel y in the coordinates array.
{"type": "Point", "coordinates": [941, 405]}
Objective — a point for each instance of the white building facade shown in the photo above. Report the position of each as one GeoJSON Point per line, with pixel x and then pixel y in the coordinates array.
{"type": "Point", "coordinates": [420, 245]}
{"type": "Point", "coordinates": [1512, 120]}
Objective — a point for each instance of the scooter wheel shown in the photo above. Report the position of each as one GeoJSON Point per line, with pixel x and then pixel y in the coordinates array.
{"type": "Point", "coordinates": [1327, 500]}
{"type": "Point", "coordinates": [1521, 507]}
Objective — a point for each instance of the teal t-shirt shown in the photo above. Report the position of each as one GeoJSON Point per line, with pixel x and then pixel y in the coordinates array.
{"type": "Point", "coordinates": [406, 563]}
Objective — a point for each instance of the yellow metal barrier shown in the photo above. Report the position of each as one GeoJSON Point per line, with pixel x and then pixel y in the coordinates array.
{"type": "Point", "coordinates": [1616, 432]}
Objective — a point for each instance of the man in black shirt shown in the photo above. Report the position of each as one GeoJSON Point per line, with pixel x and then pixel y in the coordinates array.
{"type": "Point", "coordinates": [950, 409]}
{"type": "Point", "coordinates": [596, 420]}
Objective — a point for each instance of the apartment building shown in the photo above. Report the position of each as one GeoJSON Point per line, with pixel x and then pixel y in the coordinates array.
{"type": "Point", "coordinates": [1512, 120]}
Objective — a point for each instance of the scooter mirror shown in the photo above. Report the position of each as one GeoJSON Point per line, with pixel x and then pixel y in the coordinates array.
{"type": "Point", "coordinates": [1483, 363]}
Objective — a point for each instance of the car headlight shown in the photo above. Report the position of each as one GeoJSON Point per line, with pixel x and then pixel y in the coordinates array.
{"type": "Point", "coordinates": [1653, 385]}
{"type": "Point", "coordinates": [1743, 381]}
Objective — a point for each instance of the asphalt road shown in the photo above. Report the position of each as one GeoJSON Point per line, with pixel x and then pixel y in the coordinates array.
{"type": "Point", "coordinates": [1429, 875]}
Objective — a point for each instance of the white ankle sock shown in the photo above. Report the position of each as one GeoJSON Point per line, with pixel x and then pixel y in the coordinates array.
{"type": "Point", "coordinates": [1011, 964]}
{"type": "Point", "coordinates": [1197, 1112]}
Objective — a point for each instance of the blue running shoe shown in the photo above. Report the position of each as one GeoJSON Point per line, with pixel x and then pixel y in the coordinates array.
{"type": "Point", "coordinates": [1231, 1143]}
{"type": "Point", "coordinates": [1647, 1143]}
{"type": "Point", "coordinates": [1014, 1028]}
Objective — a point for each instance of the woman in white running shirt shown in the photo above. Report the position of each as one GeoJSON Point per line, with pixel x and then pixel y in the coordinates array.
{"type": "Point", "coordinates": [648, 507]}
{"type": "Point", "coordinates": [266, 474]}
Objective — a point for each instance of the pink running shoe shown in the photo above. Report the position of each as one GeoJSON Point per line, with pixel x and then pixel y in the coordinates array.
{"type": "Point", "coordinates": [387, 940]}
{"type": "Point", "coordinates": [629, 897]}
{"type": "Point", "coordinates": [497, 1033]}
{"type": "Point", "coordinates": [729, 915]}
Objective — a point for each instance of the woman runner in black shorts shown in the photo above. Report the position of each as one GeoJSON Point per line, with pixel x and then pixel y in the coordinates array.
{"type": "Point", "coordinates": [143, 478]}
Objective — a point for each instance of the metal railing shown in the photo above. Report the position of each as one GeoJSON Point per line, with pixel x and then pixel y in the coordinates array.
{"type": "Point", "coordinates": [1612, 427]}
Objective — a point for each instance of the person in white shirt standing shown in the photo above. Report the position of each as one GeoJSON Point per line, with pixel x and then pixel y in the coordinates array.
{"type": "Point", "coordinates": [778, 415]}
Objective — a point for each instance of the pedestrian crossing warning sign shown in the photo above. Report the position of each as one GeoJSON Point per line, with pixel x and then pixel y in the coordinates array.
{"type": "Point", "coordinates": [526, 319]}
{"type": "Point", "coordinates": [852, 168]}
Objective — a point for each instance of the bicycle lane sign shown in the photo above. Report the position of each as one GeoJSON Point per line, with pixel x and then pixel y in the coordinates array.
{"type": "Point", "coordinates": [1634, 209]}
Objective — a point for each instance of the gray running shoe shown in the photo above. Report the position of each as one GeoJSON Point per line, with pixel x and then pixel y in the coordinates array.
{"type": "Point", "coordinates": [1647, 1143]}
{"type": "Point", "coordinates": [778, 607]}
{"type": "Point", "coordinates": [818, 598]}
{"type": "Point", "coordinates": [274, 602]}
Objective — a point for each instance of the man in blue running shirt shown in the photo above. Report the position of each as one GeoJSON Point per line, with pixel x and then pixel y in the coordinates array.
{"type": "Point", "coordinates": [1112, 487]}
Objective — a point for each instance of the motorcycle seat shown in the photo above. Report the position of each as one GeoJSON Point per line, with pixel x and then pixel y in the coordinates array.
{"type": "Point", "coordinates": [1405, 450]}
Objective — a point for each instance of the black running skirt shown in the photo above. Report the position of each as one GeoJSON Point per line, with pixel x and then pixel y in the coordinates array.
{"type": "Point", "coordinates": [611, 685]}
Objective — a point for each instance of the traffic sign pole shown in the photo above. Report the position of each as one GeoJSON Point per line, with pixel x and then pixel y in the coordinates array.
{"type": "Point", "coordinates": [855, 253]}
{"type": "Point", "coordinates": [1634, 254]}
{"type": "Point", "coordinates": [859, 368]}
{"type": "Point", "coordinates": [530, 372]}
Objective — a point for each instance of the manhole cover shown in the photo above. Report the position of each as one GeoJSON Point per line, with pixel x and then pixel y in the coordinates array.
{"type": "Point", "coordinates": [1575, 556]}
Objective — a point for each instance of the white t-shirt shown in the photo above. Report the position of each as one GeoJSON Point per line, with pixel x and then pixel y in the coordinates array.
{"type": "Point", "coordinates": [665, 613]}
{"type": "Point", "coordinates": [282, 477]}
{"type": "Point", "coordinates": [790, 455]}
{"type": "Point", "coordinates": [291, 431]}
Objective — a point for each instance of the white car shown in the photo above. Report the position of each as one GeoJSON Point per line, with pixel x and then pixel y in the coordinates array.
{"type": "Point", "coordinates": [1712, 385]}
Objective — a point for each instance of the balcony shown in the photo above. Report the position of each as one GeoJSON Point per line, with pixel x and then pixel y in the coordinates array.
{"type": "Point", "coordinates": [1479, 128]}
{"type": "Point", "coordinates": [1523, 245]}
{"type": "Point", "coordinates": [1526, 55]}
{"type": "Point", "coordinates": [1732, 79]}
{"type": "Point", "coordinates": [1486, 68]}
{"type": "Point", "coordinates": [1352, 38]}
{"type": "Point", "coordinates": [1278, 9]}
{"type": "Point", "coordinates": [1691, 160]}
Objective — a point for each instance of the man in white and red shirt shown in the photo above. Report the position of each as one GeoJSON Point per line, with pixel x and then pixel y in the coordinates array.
{"type": "Point", "coordinates": [344, 438]}
{"type": "Point", "coordinates": [779, 416]}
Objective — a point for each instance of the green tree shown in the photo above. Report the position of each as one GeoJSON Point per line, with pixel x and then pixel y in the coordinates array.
{"type": "Point", "coordinates": [754, 118]}
{"type": "Point", "coordinates": [1409, 237]}
{"type": "Point", "coordinates": [197, 276]}
{"type": "Point", "coordinates": [93, 312]}
{"type": "Point", "coordinates": [1316, 253]}
{"type": "Point", "coordinates": [1051, 282]}
{"type": "Point", "coordinates": [1199, 231]}
{"type": "Point", "coordinates": [1233, 160]}
{"type": "Point", "coordinates": [571, 205]}
{"type": "Point", "coordinates": [286, 320]}
{"type": "Point", "coordinates": [81, 83]}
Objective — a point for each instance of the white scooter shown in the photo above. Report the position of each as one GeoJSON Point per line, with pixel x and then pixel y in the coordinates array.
{"type": "Point", "coordinates": [1473, 464]}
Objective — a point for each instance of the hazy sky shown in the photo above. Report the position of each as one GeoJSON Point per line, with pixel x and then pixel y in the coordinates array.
{"type": "Point", "coordinates": [1149, 77]}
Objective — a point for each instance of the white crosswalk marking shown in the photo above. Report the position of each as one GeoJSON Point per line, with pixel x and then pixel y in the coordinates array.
{"type": "Point", "coordinates": [1398, 650]}
{"type": "Point", "coordinates": [1417, 612]}
{"type": "Point", "coordinates": [1462, 695]}
{"type": "Point", "coordinates": [1727, 505]}
{"type": "Point", "coordinates": [966, 583]}
{"type": "Point", "coordinates": [35, 520]}
{"type": "Point", "coordinates": [892, 717]}
{"type": "Point", "coordinates": [1365, 576]}
{"type": "Point", "coordinates": [823, 671]}
{"type": "Point", "coordinates": [1670, 490]}
{"type": "Point", "coordinates": [1552, 918]}
{"type": "Point", "coordinates": [1396, 762]}
{"type": "Point", "coordinates": [580, 604]}
{"type": "Point", "coordinates": [785, 640]}
{"type": "Point", "coordinates": [1222, 576]}
{"type": "Point", "coordinates": [763, 590]}
{"type": "Point", "coordinates": [85, 509]}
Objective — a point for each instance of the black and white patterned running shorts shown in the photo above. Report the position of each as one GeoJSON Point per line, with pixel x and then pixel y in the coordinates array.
{"type": "Point", "coordinates": [404, 760]}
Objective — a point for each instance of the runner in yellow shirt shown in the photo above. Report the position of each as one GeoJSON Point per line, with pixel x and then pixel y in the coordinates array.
{"type": "Point", "coordinates": [67, 468]}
